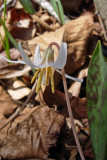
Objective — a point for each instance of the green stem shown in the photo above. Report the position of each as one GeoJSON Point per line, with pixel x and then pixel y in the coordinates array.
{"type": "Point", "coordinates": [7, 48]}
{"type": "Point", "coordinates": [4, 9]}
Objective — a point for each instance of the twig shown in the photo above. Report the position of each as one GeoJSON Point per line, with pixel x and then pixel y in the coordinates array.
{"type": "Point", "coordinates": [101, 23]}
{"type": "Point", "coordinates": [19, 109]}
{"type": "Point", "coordinates": [44, 24]}
{"type": "Point", "coordinates": [71, 115]}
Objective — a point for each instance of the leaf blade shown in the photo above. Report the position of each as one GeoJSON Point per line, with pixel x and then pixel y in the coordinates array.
{"type": "Point", "coordinates": [57, 6]}
{"type": "Point", "coordinates": [27, 5]}
{"type": "Point", "coordinates": [97, 102]}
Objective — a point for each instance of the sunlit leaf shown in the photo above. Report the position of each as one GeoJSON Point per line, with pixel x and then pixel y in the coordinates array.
{"type": "Point", "coordinates": [97, 103]}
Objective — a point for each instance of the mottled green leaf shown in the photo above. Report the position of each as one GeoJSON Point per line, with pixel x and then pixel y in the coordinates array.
{"type": "Point", "coordinates": [97, 103]}
{"type": "Point", "coordinates": [27, 5]}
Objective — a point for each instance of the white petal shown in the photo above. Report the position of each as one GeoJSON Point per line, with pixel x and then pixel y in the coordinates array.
{"type": "Point", "coordinates": [62, 57]}
{"type": "Point", "coordinates": [22, 62]}
{"type": "Point", "coordinates": [25, 57]}
{"type": "Point", "coordinates": [42, 62]}
{"type": "Point", "coordinates": [50, 57]}
{"type": "Point", "coordinates": [69, 77]}
{"type": "Point", "coordinates": [37, 56]}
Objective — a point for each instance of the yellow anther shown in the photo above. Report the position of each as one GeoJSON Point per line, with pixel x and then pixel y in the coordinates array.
{"type": "Point", "coordinates": [34, 77]}
{"type": "Point", "coordinates": [39, 80]}
{"type": "Point", "coordinates": [52, 80]}
{"type": "Point", "coordinates": [47, 76]}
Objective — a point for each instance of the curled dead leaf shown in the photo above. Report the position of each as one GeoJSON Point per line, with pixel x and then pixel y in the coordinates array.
{"type": "Point", "coordinates": [7, 70]}
{"type": "Point", "coordinates": [14, 55]}
{"type": "Point", "coordinates": [32, 134]}
{"type": "Point", "coordinates": [19, 90]}
{"type": "Point", "coordinates": [7, 105]}
{"type": "Point", "coordinates": [79, 105]}
{"type": "Point", "coordinates": [76, 34]}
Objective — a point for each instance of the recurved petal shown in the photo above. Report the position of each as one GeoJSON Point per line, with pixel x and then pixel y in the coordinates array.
{"type": "Point", "coordinates": [25, 57]}
{"type": "Point", "coordinates": [70, 77]}
{"type": "Point", "coordinates": [37, 56]}
{"type": "Point", "coordinates": [50, 57]}
{"type": "Point", "coordinates": [42, 62]}
{"type": "Point", "coordinates": [62, 57]}
{"type": "Point", "coordinates": [22, 62]}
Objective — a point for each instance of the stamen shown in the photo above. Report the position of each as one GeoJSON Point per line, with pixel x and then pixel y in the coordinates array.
{"type": "Point", "coordinates": [35, 75]}
{"type": "Point", "coordinates": [47, 76]}
{"type": "Point", "coordinates": [52, 80]}
{"type": "Point", "coordinates": [39, 80]}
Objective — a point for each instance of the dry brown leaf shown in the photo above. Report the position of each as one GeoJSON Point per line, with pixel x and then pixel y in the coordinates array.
{"type": "Point", "coordinates": [39, 96]}
{"type": "Point", "coordinates": [1, 2]}
{"type": "Point", "coordinates": [88, 151]}
{"type": "Point", "coordinates": [12, 70]}
{"type": "Point", "coordinates": [23, 33]}
{"type": "Point", "coordinates": [15, 70]}
{"type": "Point", "coordinates": [45, 17]}
{"type": "Point", "coordinates": [23, 27]}
{"type": "Point", "coordinates": [16, 15]}
{"type": "Point", "coordinates": [3, 35]}
{"type": "Point", "coordinates": [73, 154]}
{"type": "Point", "coordinates": [76, 35]}
{"type": "Point", "coordinates": [74, 90]}
{"type": "Point", "coordinates": [42, 23]}
{"type": "Point", "coordinates": [79, 105]}
{"type": "Point", "coordinates": [19, 24]}
{"type": "Point", "coordinates": [71, 5]}
{"type": "Point", "coordinates": [7, 105]}
{"type": "Point", "coordinates": [32, 134]}
{"type": "Point", "coordinates": [19, 90]}
{"type": "Point", "coordinates": [14, 55]}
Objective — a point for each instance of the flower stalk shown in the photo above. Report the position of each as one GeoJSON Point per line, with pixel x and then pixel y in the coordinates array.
{"type": "Point", "coordinates": [71, 115]}
{"type": "Point", "coordinates": [69, 108]}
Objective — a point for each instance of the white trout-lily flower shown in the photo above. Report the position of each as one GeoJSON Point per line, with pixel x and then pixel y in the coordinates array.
{"type": "Point", "coordinates": [44, 65]}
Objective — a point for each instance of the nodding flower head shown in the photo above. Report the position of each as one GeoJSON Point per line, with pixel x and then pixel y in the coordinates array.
{"type": "Point", "coordinates": [45, 64]}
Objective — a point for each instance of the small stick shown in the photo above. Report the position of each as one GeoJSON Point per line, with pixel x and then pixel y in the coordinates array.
{"type": "Point", "coordinates": [101, 23]}
{"type": "Point", "coordinates": [44, 24]}
{"type": "Point", "coordinates": [19, 109]}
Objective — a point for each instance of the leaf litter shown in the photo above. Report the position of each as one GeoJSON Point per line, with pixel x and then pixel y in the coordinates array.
{"type": "Point", "coordinates": [43, 131]}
